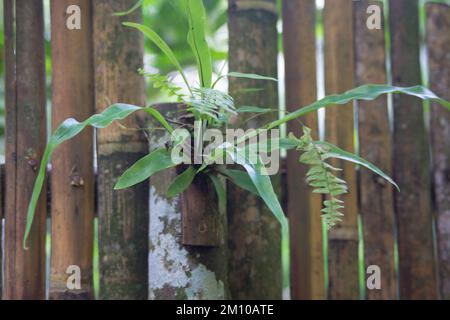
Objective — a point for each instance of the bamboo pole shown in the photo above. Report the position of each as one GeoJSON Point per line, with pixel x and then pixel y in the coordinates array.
{"type": "Point", "coordinates": [339, 66]}
{"type": "Point", "coordinates": [376, 202]}
{"type": "Point", "coordinates": [72, 177]}
{"type": "Point", "coordinates": [411, 159]}
{"type": "Point", "coordinates": [25, 141]}
{"type": "Point", "coordinates": [254, 234]}
{"type": "Point", "coordinates": [438, 43]}
{"type": "Point", "coordinates": [307, 265]}
{"type": "Point", "coordinates": [123, 215]}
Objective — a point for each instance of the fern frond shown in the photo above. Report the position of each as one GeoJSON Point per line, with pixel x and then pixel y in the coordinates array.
{"type": "Point", "coordinates": [211, 103]}
{"type": "Point", "coordinates": [321, 178]}
{"type": "Point", "coordinates": [164, 84]}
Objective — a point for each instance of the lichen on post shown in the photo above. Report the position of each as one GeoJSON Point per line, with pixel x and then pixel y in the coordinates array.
{"type": "Point", "coordinates": [178, 271]}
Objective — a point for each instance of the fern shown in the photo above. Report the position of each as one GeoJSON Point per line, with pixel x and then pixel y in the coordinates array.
{"type": "Point", "coordinates": [163, 83]}
{"type": "Point", "coordinates": [321, 176]}
{"type": "Point", "coordinates": [213, 104]}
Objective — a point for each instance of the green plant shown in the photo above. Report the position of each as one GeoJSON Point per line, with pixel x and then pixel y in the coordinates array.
{"type": "Point", "coordinates": [212, 108]}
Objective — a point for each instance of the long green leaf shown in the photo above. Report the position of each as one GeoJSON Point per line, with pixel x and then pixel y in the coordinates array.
{"type": "Point", "coordinates": [220, 191]}
{"type": "Point", "coordinates": [67, 130]}
{"type": "Point", "coordinates": [144, 168]}
{"type": "Point", "coordinates": [161, 44]}
{"type": "Point", "coordinates": [252, 76]}
{"type": "Point", "coordinates": [197, 40]}
{"type": "Point", "coordinates": [159, 117]}
{"type": "Point", "coordinates": [366, 92]}
{"type": "Point", "coordinates": [131, 10]}
{"type": "Point", "coordinates": [263, 184]}
{"type": "Point", "coordinates": [333, 151]}
{"type": "Point", "coordinates": [241, 179]}
{"type": "Point", "coordinates": [181, 182]}
{"type": "Point", "coordinates": [253, 109]}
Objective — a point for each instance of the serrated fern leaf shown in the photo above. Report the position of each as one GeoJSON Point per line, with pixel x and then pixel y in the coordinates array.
{"type": "Point", "coordinates": [322, 179]}
{"type": "Point", "coordinates": [212, 104]}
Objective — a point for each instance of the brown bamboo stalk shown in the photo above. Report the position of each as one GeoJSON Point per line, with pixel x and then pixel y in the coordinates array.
{"type": "Point", "coordinates": [339, 64]}
{"type": "Point", "coordinates": [438, 43]}
{"type": "Point", "coordinates": [411, 159]}
{"type": "Point", "coordinates": [123, 215]}
{"type": "Point", "coordinates": [376, 202]}
{"type": "Point", "coordinates": [254, 234]}
{"type": "Point", "coordinates": [25, 142]}
{"type": "Point", "coordinates": [307, 265]}
{"type": "Point", "coordinates": [72, 177]}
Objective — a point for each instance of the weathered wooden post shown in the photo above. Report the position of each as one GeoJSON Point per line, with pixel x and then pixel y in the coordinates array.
{"type": "Point", "coordinates": [72, 164]}
{"type": "Point", "coordinates": [188, 247]}
{"type": "Point", "coordinates": [411, 159]}
{"type": "Point", "coordinates": [306, 245]}
{"type": "Point", "coordinates": [123, 215]}
{"type": "Point", "coordinates": [376, 202]}
{"type": "Point", "coordinates": [339, 66]}
{"type": "Point", "coordinates": [438, 43]}
{"type": "Point", "coordinates": [254, 234]}
{"type": "Point", "coordinates": [25, 142]}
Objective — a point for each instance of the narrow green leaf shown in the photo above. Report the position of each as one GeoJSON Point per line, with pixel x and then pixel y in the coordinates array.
{"type": "Point", "coordinates": [263, 184]}
{"type": "Point", "coordinates": [241, 179]}
{"type": "Point", "coordinates": [67, 130]}
{"type": "Point", "coordinates": [131, 10]}
{"type": "Point", "coordinates": [366, 92]}
{"type": "Point", "coordinates": [220, 191]}
{"type": "Point", "coordinates": [161, 44]}
{"type": "Point", "coordinates": [144, 168]}
{"type": "Point", "coordinates": [158, 116]}
{"type": "Point", "coordinates": [250, 76]}
{"type": "Point", "coordinates": [182, 182]}
{"type": "Point", "coordinates": [197, 40]}
{"type": "Point", "coordinates": [336, 152]}
{"type": "Point", "coordinates": [252, 109]}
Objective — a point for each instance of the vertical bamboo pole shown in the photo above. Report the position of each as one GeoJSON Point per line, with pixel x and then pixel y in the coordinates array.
{"type": "Point", "coordinates": [25, 142]}
{"type": "Point", "coordinates": [438, 43]}
{"type": "Point", "coordinates": [307, 265]}
{"type": "Point", "coordinates": [339, 63]}
{"type": "Point", "coordinates": [123, 215]}
{"type": "Point", "coordinates": [411, 159]}
{"type": "Point", "coordinates": [254, 234]}
{"type": "Point", "coordinates": [72, 164]}
{"type": "Point", "coordinates": [376, 201]}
